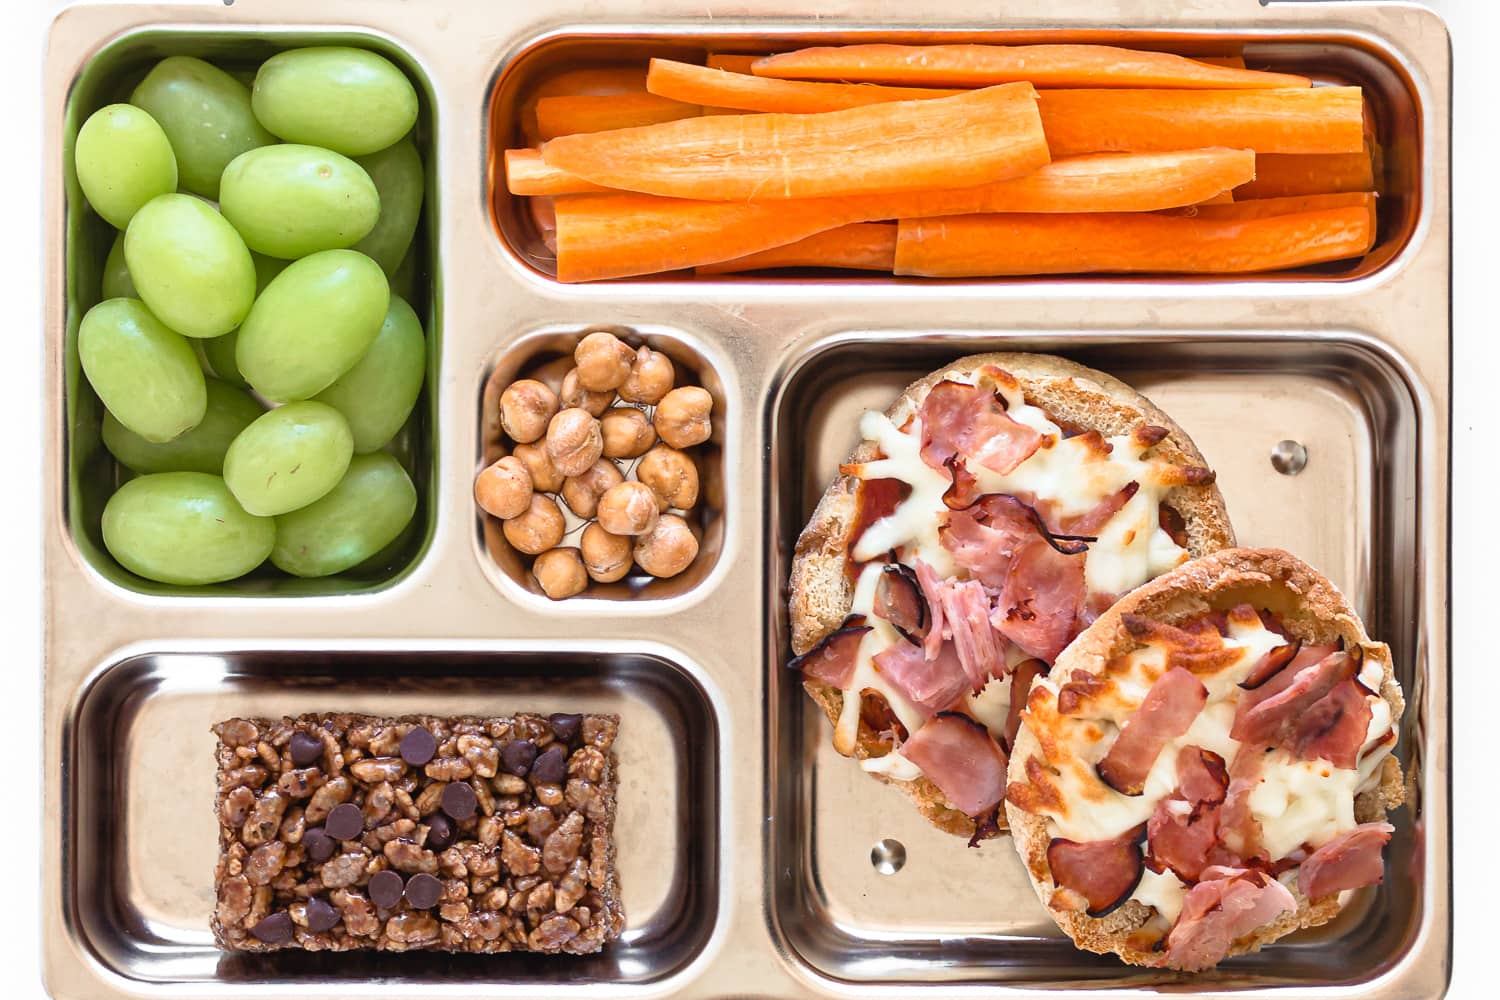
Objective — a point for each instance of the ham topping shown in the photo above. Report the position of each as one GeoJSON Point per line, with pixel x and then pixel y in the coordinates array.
{"type": "Point", "coordinates": [959, 756]}
{"type": "Point", "coordinates": [1270, 713]}
{"type": "Point", "coordinates": [930, 685]}
{"type": "Point", "coordinates": [1239, 830]}
{"type": "Point", "coordinates": [899, 600]}
{"type": "Point", "coordinates": [833, 659]}
{"type": "Point", "coordinates": [1020, 687]}
{"type": "Point", "coordinates": [1349, 861]}
{"type": "Point", "coordinates": [1168, 709]}
{"type": "Point", "coordinates": [970, 420]}
{"type": "Point", "coordinates": [1039, 605]}
{"type": "Point", "coordinates": [1334, 728]}
{"type": "Point", "coordinates": [1217, 912]}
{"type": "Point", "coordinates": [966, 615]}
{"type": "Point", "coordinates": [1103, 872]}
{"type": "Point", "coordinates": [932, 596]}
{"type": "Point", "coordinates": [1271, 664]}
{"type": "Point", "coordinates": [984, 545]}
{"type": "Point", "coordinates": [1183, 830]}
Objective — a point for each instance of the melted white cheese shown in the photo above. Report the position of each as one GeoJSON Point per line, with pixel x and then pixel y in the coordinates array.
{"type": "Point", "coordinates": [914, 524]}
{"type": "Point", "coordinates": [1164, 891]}
{"type": "Point", "coordinates": [881, 636]}
{"type": "Point", "coordinates": [991, 705]}
{"type": "Point", "coordinates": [892, 765]}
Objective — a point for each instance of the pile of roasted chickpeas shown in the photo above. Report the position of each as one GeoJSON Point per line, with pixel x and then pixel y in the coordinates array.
{"type": "Point", "coordinates": [612, 444]}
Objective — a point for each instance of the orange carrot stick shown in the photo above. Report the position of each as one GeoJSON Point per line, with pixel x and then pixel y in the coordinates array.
{"type": "Point", "coordinates": [1311, 120]}
{"type": "Point", "coordinates": [527, 174]}
{"type": "Point", "coordinates": [1233, 62]}
{"type": "Point", "coordinates": [702, 85]}
{"type": "Point", "coordinates": [619, 235]}
{"type": "Point", "coordinates": [1222, 198]}
{"type": "Point", "coordinates": [1279, 175]}
{"type": "Point", "coordinates": [1040, 65]}
{"type": "Point", "coordinates": [572, 114]}
{"type": "Point", "coordinates": [973, 138]}
{"type": "Point", "coordinates": [730, 63]}
{"type": "Point", "coordinates": [585, 80]}
{"type": "Point", "coordinates": [1265, 208]}
{"type": "Point", "coordinates": [988, 245]}
{"type": "Point", "coordinates": [863, 246]}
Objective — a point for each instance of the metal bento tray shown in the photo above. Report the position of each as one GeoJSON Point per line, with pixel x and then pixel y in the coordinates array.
{"type": "Point", "coordinates": [753, 860]}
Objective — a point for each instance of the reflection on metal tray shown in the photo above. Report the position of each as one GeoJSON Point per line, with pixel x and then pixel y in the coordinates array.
{"type": "Point", "coordinates": [754, 862]}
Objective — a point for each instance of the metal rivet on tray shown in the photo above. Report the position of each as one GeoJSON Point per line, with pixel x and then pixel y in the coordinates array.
{"type": "Point", "coordinates": [1289, 457]}
{"type": "Point", "coordinates": [888, 856]}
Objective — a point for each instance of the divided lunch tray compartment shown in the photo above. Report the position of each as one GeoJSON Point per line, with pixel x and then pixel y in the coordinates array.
{"type": "Point", "coordinates": [753, 860]}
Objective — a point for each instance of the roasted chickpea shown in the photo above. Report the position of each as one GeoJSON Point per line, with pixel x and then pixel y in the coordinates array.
{"type": "Point", "coordinates": [544, 475]}
{"type": "Point", "coordinates": [672, 476]}
{"type": "Point", "coordinates": [628, 509]}
{"type": "Point", "coordinates": [603, 361]}
{"type": "Point", "coordinates": [536, 529]}
{"type": "Point", "coordinates": [551, 374]}
{"type": "Point", "coordinates": [504, 489]}
{"type": "Point", "coordinates": [560, 573]}
{"type": "Point", "coordinates": [605, 556]}
{"type": "Point", "coordinates": [573, 441]}
{"type": "Point", "coordinates": [667, 549]}
{"type": "Point", "coordinates": [582, 493]}
{"type": "Point", "coordinates": [650, 377]}
{"type": "Point", "coordinates": [525, 408]}
{"type": "Point", "coordinates": [574, 394]}
{"type": "Point", "coordinates": [627, 432]}
{"type": "Point", "coordinates": [682, 416]}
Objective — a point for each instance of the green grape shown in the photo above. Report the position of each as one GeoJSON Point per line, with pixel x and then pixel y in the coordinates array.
{"type": "Point", "coordinates": [312, 323]}
{"type": "Point", "coordinates": [206, 114]}
{"type": "Point", "coordinates": [184, 527]}
{"type": "Point", "coordinates": [200, 449]}
{"type": "Point", "coordinates": [218, 355]}
{"type": "Point", "coordinates": [146, 375]}
{"type": "Point", "coordinates": [404, 278]}
{"type": "Point", "coordinates": [117, 283]}
{"type": "Point", "coordinates": [289, 200]}
{"type": "Point", "coordinates": [378, 393]}
{"type": "Point", "coordinates": [190, 266]}
{"type": "Point", "coordinates": [367, 510]}
{"type": "Point", "coordinates": [397, 173]}
{"type": "Point", "coordinates": [351, 101]}
{"type": "Point", "coordinates": [288, 457]}
{"type": "Point", "coordinates": [123, 160]}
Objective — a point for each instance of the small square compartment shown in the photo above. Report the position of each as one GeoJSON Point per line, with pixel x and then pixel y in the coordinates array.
{"type": "Point", "coordinates": [92, 475]}
{"type": "Point", "coordinates": [551, 348]}
{"type": "Point", "coordinates": [956, 915]}
{"type": "Point", "coordinates": [139, 891]}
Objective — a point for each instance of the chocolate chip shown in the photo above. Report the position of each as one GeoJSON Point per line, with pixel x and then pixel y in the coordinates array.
{"type": "Point", "coordinates": [274, 929]}
{"type": "Point", "coordinates": [320, 846]}
{"type": "Point", "coordinates": [516, 757]}
{"type": "Point", "coordinates": [565, 727]}
{"type": "Point", "coordinates": [459, 800]}
{"type": "Point", "coordinates": [439, 832]}
{"type": "Point", "coordinates": [423, 890]}
{"type": "Point", "coordinates": [418, 747]}
{"type": "Point", "coordinates": [305, 749]}
{"type": "Point", "coordinates": [551, 768]}
{"type": "Point", "coordinates": [385, 889]}
{"type": "Point", "coordinates": [320, 916]}
{"type": "Point", "coordinates": [345, 822]}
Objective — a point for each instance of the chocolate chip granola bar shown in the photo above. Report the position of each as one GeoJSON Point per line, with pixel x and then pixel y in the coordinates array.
{"type": "Point", "coordinates": [342, 832]}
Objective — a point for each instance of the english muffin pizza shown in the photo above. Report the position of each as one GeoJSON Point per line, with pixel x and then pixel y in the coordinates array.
{"type": "Point", "coordinates": [1209, 765]}
{"type": "Point", "coordinates": [994, 511]}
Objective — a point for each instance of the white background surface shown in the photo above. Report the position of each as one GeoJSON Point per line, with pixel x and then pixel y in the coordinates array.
{"type": "Point", "coordinates": [1476, 500]}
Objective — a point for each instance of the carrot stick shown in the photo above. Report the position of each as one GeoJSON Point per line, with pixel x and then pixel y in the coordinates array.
{"type": "Point", "coordinates": [620, 235]}
{"type": "Point", "coordinates": [544, 218]}
{"type": "Point", "coordinates": [1040, 65]}
{"type": "Point", "coordinates": [1278, 175]}
{"type": "Point", "coordinates": [1233, 62]}
{"type": "Point", "coordinates": [1265, 208]}
{"type": "Point", "coordinates": [973, 138]}
{"type": "Point", "coordinates": [1222, 198]}
{"type": "Point", "coordinates": [579, 113]}
{"type": "Point", "coordinates": [1310, 120]}
{"type": "Point", "coordinates": [702, 85]}
{"type": "Point", "coordinates": [527, 174]}
{"type": "Point", "coordinates": [863, 246]}
{"type": "Point", "coordinates": [984, 245]}
{"type": "Point", "coordinates": [730, 63]}
{"type": "Point", "coordinates": [586, 80]}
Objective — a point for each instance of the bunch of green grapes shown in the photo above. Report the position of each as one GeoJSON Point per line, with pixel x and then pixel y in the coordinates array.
{"type": "Point", "coordinates": [254, 362]}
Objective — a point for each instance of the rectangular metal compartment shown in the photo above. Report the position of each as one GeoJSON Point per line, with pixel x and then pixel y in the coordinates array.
{"type": "Point", "coordinates": [144, 860]}
{"type": "Point", "coordinates": [766, 899]}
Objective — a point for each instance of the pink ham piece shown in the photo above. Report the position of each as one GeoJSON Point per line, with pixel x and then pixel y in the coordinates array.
{"type": "Point", "coordinates": [959, 756]}
{"type": "Point", "coordinates": [1269, 714]}
{"type": "Point", "coordinates": [1239, 830]}
{"type": "Point", "coordinates": [1089, 522]}
{"type": "Point", "coordinates": [932, 592]}
{"type": "Point", "coordinates": [1038, 607]}
{"type": "Point", "coordinates": [899, 600]}
{"type": "Point", "coordinates": [970, 421]}
{"type": "Point", "coordinates": [966, 615]}
{"type": "Point", "coordinates": [1349, 861]}
{"type": "Point", "coordinates": [1201, 775]}
{"type": "Point", "coordinates": [1020, 688]}
{"type": "Point", "coordinates": [833, 659]}
{"type": "Point", "coordinates": [1168, 709]}
{"type": "Point", "coordinates": [930, 685]}
{"type": "Point", "coordinates": [984, 550]}
{"type": "Point", "coordinates": [1183, 830]}
{"type": "Point", "coordinates": [1335, 727]}
{"type": "Point", "coordinates": [1103, 872]}
{"type": "Point", "coordinates": [1217, 912]}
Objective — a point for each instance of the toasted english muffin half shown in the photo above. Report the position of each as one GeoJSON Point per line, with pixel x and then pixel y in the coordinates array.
{"type": "Point", "coordinates": [1065, 795]}
{"type": "Point", "coordinates": [822, 585]}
